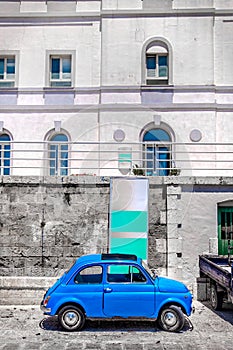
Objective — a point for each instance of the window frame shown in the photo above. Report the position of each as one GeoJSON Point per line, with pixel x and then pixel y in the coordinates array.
{"type": "Point", "coordinates": [161, 143]}
{"type": "Point", "coordinates": [89, 267]}
{"type": "Point", "coordinates": [5, 169]}
{"type": "Point", "coordinates": [156, 150]}
{"type": "Point", "coordinates": [60, 82]}
{"type": "Point", "coordinates": [130, 267]}
{"type": "Point", "coordinates": [48, 142]}
{"type": "Point", "coordinates": [157, 66]}
{"type": "Point", "coordinates": [9, 82]}
{"type": "Point", "coordinates": [159, 43]}
{"type": "Point", "coordinates": [60, 79]}
{"type": "Point", "coordinates": [58, 151]}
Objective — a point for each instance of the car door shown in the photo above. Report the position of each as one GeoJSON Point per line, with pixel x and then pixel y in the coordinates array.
{"type": "Point", "coordinates": [128, 292]}
{"type": "Point", "coordinates": [86, 288]}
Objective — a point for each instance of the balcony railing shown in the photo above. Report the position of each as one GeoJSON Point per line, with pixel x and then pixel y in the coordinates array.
{"type": "Point", "coordinates": [116, 159]}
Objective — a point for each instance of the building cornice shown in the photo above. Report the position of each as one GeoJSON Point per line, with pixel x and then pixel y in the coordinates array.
{"type": "Point", "coordinates": [122, 89]}
{"type": "Point", "coordinates": [117, 107]}
{"type": "Point", "coordinates": [47, 18]}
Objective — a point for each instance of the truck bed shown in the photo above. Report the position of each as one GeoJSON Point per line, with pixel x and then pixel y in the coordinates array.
{"type": "Point", "coordinates": [218, 269]}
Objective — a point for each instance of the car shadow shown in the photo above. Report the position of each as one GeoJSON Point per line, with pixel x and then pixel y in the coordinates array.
{"type": "Point", "coordinates": [51, 324]}
{"type": "Point", "coordinates": [226, 313]}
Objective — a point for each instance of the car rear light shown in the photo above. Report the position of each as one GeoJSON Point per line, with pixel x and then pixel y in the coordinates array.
{"type": "Point", "coordinates": [46, 300]}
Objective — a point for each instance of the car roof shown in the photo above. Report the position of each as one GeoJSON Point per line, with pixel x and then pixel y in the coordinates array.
{"type": "Point", "coordinates": [102, 258]}
{"type": "Point", "coordinates": [107, 257]}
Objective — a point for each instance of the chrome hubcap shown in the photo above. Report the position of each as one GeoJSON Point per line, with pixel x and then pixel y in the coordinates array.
{"type": "Point", "coordinates": [71, 318]}
{"type": "Point", "coordinates": [170, 319]}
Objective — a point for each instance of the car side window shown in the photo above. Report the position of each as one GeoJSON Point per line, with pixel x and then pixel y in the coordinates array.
{"type": "Point", "coordinates": [124, 274]}
{"type": "Point", "coordinates": [89, 275]}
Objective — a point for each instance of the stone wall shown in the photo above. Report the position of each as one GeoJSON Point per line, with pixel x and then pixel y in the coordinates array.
{"type": "Point", "coordinates": [46, 223]}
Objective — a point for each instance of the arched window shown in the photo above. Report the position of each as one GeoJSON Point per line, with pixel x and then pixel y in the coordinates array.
{"type": "Point", "coordinates": [157, 153]}
{"type": "Point", "coordinates": [156, 62]}
{"type": "Point", "coordinates": [5, 153]}
{"type": "Point", "coordinates": [58, 155]}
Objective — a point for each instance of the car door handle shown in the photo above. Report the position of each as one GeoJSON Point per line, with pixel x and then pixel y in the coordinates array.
{"type": "Point", "coordinates": [107, 290]}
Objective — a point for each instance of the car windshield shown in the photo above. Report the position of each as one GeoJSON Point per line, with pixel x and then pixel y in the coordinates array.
{"type": "Point", "coordinates": [151, 273]}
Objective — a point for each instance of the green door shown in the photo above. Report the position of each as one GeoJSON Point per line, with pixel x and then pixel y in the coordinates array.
{"type": "Point", "coordinates": [225, 229]}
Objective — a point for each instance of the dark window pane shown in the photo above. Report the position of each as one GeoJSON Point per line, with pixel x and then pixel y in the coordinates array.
{"type": "Point", "coordinates": [1, 68]}
{"type": "Point", "coordinates": [66, 65]}
{"type": "Point", "coordinates": [10, 69]}
{"type": "Point", "coordinates": [4, 137]}
{"type": "Point", "coordinates": [162, 60]}
{"type": "Point", "coordinates": [55, 65]}
{"type": "Point", "coordinates": [163, 161]}
{"type": "Point", "coordinates": [156, 135]}
{"type": "Point", "coordinates": [59, 137]}
{"type": "Point", "coordinates": [55, 68]}
{"type": "Point", "coordinates": [163, 70]}
{"type": "Point", "coordinates": [150, 62]}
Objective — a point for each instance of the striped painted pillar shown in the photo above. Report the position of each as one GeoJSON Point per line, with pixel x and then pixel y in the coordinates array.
{"type": "Point", "coordinates": [128, 231]}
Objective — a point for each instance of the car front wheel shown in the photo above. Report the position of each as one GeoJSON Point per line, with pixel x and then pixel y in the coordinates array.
{"type": "Point", "coordinates": [71, 318]}
{"type": "Point", "coordinates": [171, 319]}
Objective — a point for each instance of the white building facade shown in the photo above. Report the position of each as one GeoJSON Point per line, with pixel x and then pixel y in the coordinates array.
{"type": "Point", "coordinates": [104, 87]}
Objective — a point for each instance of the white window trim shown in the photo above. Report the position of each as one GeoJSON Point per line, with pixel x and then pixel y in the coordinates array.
{"type": "Point", "coordinates": [60, 79]}
{"type": "Point", "coordinates": [10, 54]}
{"type": "Point", "coordinates": [156, 75]}
{"type": "Point", "coordinates": [50, 134]}
{"type": "Point", "coordinates": [157, 41]}
{"type": "Point", "coordinates": [4, 131]}
{"type": "Point", "coordinates": [172, 148]}
{"type": "Point", "coordinates": [60, 54]}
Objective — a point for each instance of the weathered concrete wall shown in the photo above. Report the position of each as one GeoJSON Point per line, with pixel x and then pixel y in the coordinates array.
{"type": "Point", "coordinates": [46, 223]}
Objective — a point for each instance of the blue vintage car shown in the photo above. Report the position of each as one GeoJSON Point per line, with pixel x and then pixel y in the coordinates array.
{"type": "Point", "coordinates": [116, 286]}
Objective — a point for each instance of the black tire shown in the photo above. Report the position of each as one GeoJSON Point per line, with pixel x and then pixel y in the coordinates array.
{"type": "Point", "coordinates": [171, 319]}
{"type": "Point", "coordinates": [71, 318]}
{"type": "Point", "coordinates": [216, 298]}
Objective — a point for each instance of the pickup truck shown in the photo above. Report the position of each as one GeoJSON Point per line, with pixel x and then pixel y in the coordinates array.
{"type": "Point", "coordinates": [219, 270]}
{"type": "Point", "coordinates": [116, 286]}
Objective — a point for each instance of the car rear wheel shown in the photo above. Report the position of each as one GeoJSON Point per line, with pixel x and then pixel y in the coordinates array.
{"type": "Point", "coordinates": [171, 319]}
{"type": "Point", "coordinates": [71, 318]}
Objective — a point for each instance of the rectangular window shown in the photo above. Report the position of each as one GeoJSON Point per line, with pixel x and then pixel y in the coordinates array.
{"type": "Point", "coordinates": [7, 71]}
{"type": "Point", "coordinates": [124, 274]}
{"type": "Point", "coordinates": [89, 275]}
{"type": "Point", "coordinates": [60, 71]}
{"type": "Point", "coordinates": [156, 69]}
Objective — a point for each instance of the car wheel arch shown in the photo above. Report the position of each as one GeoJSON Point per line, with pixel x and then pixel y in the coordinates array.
{"type": "Point", "coordinates": [170, 303]}
{"type": "Point", "coordinates": [70, 303]}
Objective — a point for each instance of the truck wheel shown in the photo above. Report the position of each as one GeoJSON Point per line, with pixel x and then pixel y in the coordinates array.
{"type": "Point", "coordinates": [216, 298]}
{"type": "Point", "coordinates": [71, 318]}
{"type": "Point", "coordinates": [171, 319]}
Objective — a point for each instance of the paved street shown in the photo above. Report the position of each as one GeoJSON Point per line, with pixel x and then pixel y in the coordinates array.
{"type": "Point", "coordinates": [25, 327]}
